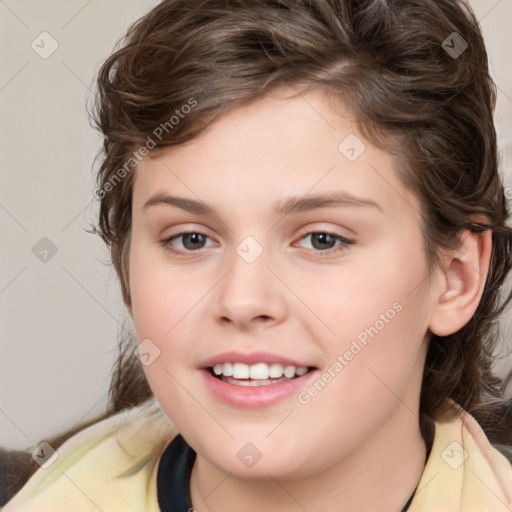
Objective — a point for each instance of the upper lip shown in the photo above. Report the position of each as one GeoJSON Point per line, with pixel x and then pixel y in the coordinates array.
{"type": "Point", "coordinates": [250, 358]}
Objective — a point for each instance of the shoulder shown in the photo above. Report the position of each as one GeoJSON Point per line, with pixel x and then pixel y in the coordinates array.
{"type": "Point", "coordinates": [111, 465]}
{"type": "Point", "coordinates": [464, 472]}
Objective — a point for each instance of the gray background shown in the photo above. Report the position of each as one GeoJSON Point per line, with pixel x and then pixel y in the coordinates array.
{"type": "Point", "coordinates": [59, 318]}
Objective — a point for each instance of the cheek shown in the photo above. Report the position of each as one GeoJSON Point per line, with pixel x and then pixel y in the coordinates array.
{"type": "Point", "coordinates": [353, 299]}
{"type": "Point", "coordinates": [377, 315]}
{"type": "Point", "coordinates": [162, 294]}
{"type": "Point", "coordinates": [169, 306]}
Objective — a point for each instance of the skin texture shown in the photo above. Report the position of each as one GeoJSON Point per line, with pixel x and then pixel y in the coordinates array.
{"type": "Point", "coordinates": [357, 441]}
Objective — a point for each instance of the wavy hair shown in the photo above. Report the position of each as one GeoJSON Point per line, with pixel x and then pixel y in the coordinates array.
{"type": "Point", "coordinates": [415, 74]}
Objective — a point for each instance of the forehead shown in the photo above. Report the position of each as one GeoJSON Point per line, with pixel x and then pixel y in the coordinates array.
{"type": "Point", "coordinates": [285, 144]}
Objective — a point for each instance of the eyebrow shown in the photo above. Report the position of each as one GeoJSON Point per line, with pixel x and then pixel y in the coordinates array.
{"type": "Point", "coordinates": [289, 205]}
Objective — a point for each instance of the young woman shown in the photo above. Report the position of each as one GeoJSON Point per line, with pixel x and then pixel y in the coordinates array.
{"type": "Point", "coordinates": [304, 209]}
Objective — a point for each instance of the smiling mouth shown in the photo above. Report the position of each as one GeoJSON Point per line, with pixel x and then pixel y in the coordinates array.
{"type": "Point", "coordinates": [260, 374]}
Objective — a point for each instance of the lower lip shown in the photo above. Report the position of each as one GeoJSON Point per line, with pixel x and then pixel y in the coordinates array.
{"type": "Point", "coordinates": [251, 397]}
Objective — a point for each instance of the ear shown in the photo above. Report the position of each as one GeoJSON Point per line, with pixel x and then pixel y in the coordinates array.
{"type": "Point", "coordinates": [126, 295]}
{"type": "Point", "coordinates": [464, 279]}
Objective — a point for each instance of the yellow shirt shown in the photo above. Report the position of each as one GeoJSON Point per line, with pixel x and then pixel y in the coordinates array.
{"type": "Point", "coordinates": [112, 466]}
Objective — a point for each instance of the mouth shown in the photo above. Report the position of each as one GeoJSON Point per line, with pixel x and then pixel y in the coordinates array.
{"type": "Point", "coordinates": [259, 374]}
{"type": "Point", "coordinates": [254, 380]}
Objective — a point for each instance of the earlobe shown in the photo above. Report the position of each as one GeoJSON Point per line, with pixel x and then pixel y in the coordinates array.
{"type": "Point", "coordinates": [463, 284]}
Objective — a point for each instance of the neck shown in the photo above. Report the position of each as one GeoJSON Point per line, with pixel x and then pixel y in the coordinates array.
{"type": "Point", "coordinates": [381, 474]}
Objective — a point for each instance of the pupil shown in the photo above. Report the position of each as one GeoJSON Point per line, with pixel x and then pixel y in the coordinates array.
{"type": "Point", "coordinates": [196, 238]}
{"type": "Point", "coordinates": [323, 238]}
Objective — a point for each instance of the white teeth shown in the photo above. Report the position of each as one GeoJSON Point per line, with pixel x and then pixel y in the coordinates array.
{"type": "Point", "coordinates": [289, 371]}
{"type": "Point", "coordinates": [276, 370]}
{"type": "Point", "coordinates": [259, 371]}
{"type": "Point", "coordinates": [252, 383]}
{"type": "Point", "coordinates": [240, 371]}
{"type": "Point", "coordinates": [227, 369]}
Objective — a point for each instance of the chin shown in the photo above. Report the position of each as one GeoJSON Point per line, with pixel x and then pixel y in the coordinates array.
{"type": "Point", "coordinates": [259, 460]}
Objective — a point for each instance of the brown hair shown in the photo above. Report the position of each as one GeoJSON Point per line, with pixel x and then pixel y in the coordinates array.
{"type": "Point", "coordinates": [415, 74]}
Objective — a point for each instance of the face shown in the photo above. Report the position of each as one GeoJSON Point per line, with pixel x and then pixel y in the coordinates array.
{"type": "Point", "coordinates": [303, 254]}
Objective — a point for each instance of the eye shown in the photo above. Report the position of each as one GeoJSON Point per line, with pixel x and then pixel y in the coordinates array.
{"type": "Point", "coordinates": [323, 241]}
{"type": "Point", "coordinates": [191, 241]}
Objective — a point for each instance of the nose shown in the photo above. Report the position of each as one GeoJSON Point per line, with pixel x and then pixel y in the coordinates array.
{"type": "Point", "coordinates": [250, 296]}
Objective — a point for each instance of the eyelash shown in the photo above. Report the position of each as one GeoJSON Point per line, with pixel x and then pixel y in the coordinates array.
{"type": "Point", "coordinates": [345, 242]}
